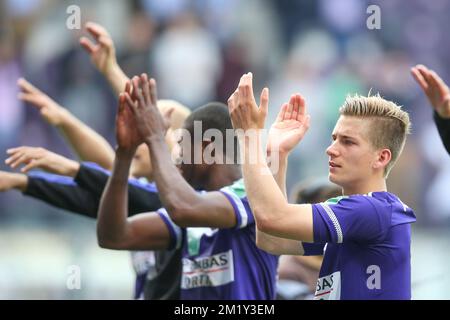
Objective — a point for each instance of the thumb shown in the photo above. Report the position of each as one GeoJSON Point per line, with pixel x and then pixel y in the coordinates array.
{"type": "Point", "coordinates": [264, 101]}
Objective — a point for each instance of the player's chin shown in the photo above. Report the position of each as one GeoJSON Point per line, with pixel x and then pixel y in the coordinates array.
{"type": "Point", "coordinates": [333, 177]}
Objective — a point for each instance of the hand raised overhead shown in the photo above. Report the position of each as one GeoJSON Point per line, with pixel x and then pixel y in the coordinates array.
{"type": "Point", "coordinates": [245, 113]}
{"type": "Point", "coordinates": [102, 52]}
{"type": "Point", "coordinates": [436, 90]}
{"type": "Point", "coordinates": [51, 111]}
{"type": "Point", "coordinates": [143, 105]}
{"type": "Point", "coordinates": [290, 127]}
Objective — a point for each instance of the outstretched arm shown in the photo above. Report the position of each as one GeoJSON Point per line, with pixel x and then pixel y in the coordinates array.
{"type": "Point", "coordinates": [272, 212]}
{"type": "Point", "coordinates": [44, 159]}
{"type": "Point", "coordinates": [103, 56]}
{"type": "Point", "coordinates": [185, 206]}
{"type": "Point", "coordinates": [87, 144]}
{"type": "Point", "coordinates": [438, 94]}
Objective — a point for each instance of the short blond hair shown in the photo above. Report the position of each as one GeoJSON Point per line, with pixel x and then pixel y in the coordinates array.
{"type": "Point", "coordinates": [390, 124]}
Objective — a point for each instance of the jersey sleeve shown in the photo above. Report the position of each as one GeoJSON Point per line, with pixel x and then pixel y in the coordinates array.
{"type": "Point", "coordinates": [62, 192]}
{"type": "Point", "coordinates": [443, 126]}
{"type": "Point", "coordinates": [175, 231]}
{"type": "Point", "coordinates": [142, 197]}
{"type": "Point", "coordinates": [313, 249]}
{"type": "Point", "coordinates": [355, 218]}
{"type": "Point", "coordinates": [237, 197]}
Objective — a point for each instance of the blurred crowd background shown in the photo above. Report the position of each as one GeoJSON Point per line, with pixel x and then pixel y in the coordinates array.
{"type": "Point", "coordinates": [197, 50]}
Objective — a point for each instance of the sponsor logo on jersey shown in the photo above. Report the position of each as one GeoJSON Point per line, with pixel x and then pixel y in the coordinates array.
{"type": "Point", "coordinates": [211, 271]}
{"type": "Point", "coordinates": [329, 287]}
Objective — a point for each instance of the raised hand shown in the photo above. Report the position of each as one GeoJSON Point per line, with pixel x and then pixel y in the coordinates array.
{"type": "Point", "coordinates": [51, 111]}
{"type": "Point", "coordinates": [143, 104]}
{"type": "Point", "coordinates": [435, 89]}
{"type": "Point", "coordinates": [290, 126]}
{"type": "Point", "coordinates": [102, 52]}
{"type": "Point", "coordinates": [127, 136]}
{"type": "Point", "coordinates": [245, 113]}
{"type": "Point", "coordinates": [41, 158]}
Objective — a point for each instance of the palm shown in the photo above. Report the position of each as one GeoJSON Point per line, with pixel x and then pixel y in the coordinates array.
{"type": "Point", "coordinates": [127, 135]}
{"type": "Point", "coordinates": [284, 135]}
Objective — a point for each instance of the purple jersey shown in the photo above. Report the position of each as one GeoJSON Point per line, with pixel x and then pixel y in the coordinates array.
{"type": "Point", "coordinates": [366, 241]}
{"type": "Point", "coordinates": [224, 263]}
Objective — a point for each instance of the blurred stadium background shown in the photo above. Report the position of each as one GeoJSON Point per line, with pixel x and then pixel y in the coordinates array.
{"type": "Point", "coordinates": [197, 50]}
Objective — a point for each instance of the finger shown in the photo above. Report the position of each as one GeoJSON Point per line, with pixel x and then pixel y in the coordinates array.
{"type": "Point", "coordinates": [33, 163]}
{"type": "Point", "coordinates": [145, 88]}
{"type": "Point", "coordinates": [231, 102]}
{"type": "Point", "coordinates": [121, 103]}
{"type": "Point", "coordinates": [131, 105]}
{"type": "Point", "coordinates": [30, 98]}
{"type": "Point", "coordinates": [419, 79]}
{"type": "Point", "coordinates": [137, 92]}
{"type": "Point", "coordinates": [153, 92]}
{"type": "Point", "coordinates": [27, 86]}
{"type": "Point", "coordinates": [88, 45]}
{"type": "Point", "coordinates": [24, 158]}
{"type": "Point", "coordinates": [105, 42]}
{"type": "Point", "coordinates": [302, 104]}
{"type": "Point", "coordinates": [14, 156]}
{"type": "Point", "coordinates": [264, 101]}
{"type": "Point", "coordinates": [288, 113]}
{"type": "Point", "coordinates": [248, 87]}
{"type": "Point", "coordinates": [96, 30]}
{"type": "Point", "coordinates": [242, 93]}
{"type": "Point", "coordinates": [296, 107]}
{"type": "Point", "coordinates": [13, 150]}
{"type": "Point", "coordinates": [128, 87]}
{"type": "Point", "coordinates": [439, 83]}
{"type": "Point", "coordinates": [280, 116]}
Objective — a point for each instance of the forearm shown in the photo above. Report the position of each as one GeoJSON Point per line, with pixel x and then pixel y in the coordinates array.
{"type": "Point", "coordinates": [88, 144]}
{"type": "Point", "coordinates": [279, 171]}
{"type": "Point", "coordinates": [273, 214]}
{"type": "Point", "coordinates": [174, 191]}
{"type": "Point", "coordinates": [116, 78]}
{"type": "Point", "coordinates": [263, 192]}
{"type": "Point", "coordinates": [276, 245]}
{"type": "Point", "coordinates": [11, 180]}
{"type": "Point", "coordinates": [113, 209]}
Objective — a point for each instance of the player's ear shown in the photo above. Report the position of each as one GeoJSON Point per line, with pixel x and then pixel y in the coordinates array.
{"type": "Point", "coordinates": [384, 156]}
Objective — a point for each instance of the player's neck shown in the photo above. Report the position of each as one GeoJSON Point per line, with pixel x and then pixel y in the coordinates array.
{"type": "Point", "coordinates": [222, 175]}
{"type": "Point", "coordinates": [365, 187]}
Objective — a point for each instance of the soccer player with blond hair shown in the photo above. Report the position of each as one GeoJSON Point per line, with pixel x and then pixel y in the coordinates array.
{"type": "Point", "coordinates": [365, 234]}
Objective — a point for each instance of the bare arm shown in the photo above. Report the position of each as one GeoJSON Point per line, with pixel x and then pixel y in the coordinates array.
{"type": "Point", "coordinates": [103, 56]}
{"type": "Point", "coordinates": [115, 230]}
{"type": "Point", "coordinates": [273, 214]}
{"type": "Point", "coordinates": [87, 144]}
{"type": "Point", "coordinates": [281, 142]}
{"type": "Point", "coordinates": [9, 180]}
{"type": "Point", "coordinates": [185, 206]}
